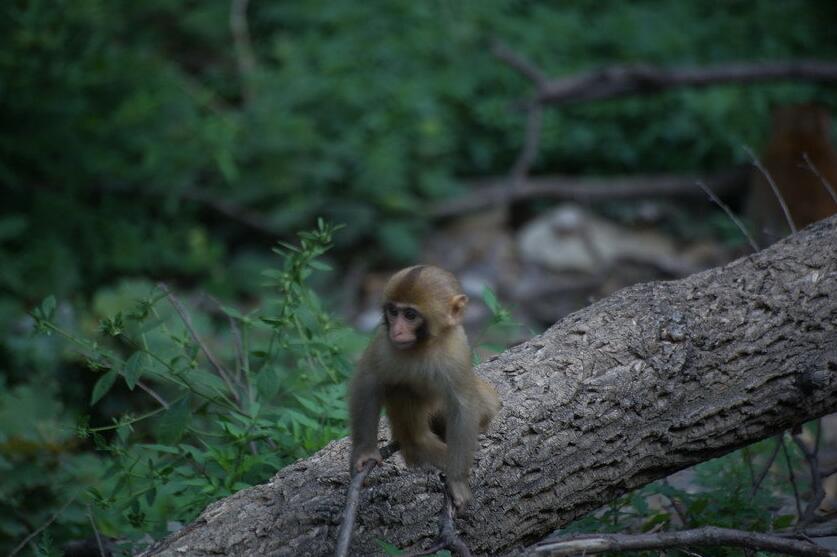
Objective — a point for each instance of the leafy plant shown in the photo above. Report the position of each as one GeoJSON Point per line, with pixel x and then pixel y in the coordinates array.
{"type": "Point", "coordinates": [210, 429]}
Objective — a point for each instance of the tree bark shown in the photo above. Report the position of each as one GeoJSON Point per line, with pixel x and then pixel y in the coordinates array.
{"type": "Point", "coordinates": [653, 379]}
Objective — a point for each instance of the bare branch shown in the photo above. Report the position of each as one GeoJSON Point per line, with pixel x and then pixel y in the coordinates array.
{"type": "Point", "coordinates": [589, 544]}
{"type": "Point", "coordinates": [520, 64]}
{"type": "Point", "coordinates": [818, 493]}
{"type": "Point", "coordinates": [243, 48]}
{"type": "Point", "coordinates": [825, 183]}
{"type": "Point", "coordinates": [232, 211]}
{"type": "Point", "coordinates": [347, 524]}
{"type": "Point", "coordinates": [770, 460]}
{"type": "Point", "coordinates": [792, 479]}
{"type": "Point", "coordinates": [715, 199]}
{"type": "Point", "coordinates": [757, 163]}
{"type": "Point", "coordinates": [448, 538]}
{"type": "Point", "coordinates": [531, 142]}
{"type": "Point", "coordinates": [622, 81]}
{"type": "Point", "coordinates": [42, 527]}
{"type": "Point", "coordinates": [96, 533]}
{"type": "Point", "coordinates": [485, 194]}
{"type": "Point", "coordinates": [153, 394]}
{"type": "Point", "coordinates": [187, 320]}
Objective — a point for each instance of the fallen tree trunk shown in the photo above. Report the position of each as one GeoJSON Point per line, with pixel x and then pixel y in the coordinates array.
{"type": "Point", "coordinates": [653, 379]}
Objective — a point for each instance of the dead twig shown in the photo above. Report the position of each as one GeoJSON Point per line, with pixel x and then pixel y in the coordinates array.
{"type": "Point", "coordinates": [715, 199]}
{"type": "Point", "coordinates": [623, 81]}
{"type": "Point", "coordinates": [792, 479]}
{"type": "Point", "coordinates": [153, 394]}
{"type": "Point", "coordinates": [588, 544]}
{"type": "Point", "coordinates": [42, 527]}
{"type": "Point", "coordinates": [812, 458]}
{"type": "Point", "coordinates": [521, 64]}
{"type": "Point", "coordinates": [99, 543]}
{"type": "Point", "coordinates": [534, 116]}
{"type": "Point", "coordinates": [493, 192]}
{"type": "Point", "coordinates": [770, 460]}
{"type": "Point", "coordinates": [757, 163]}
{"type": "Point", "coordinates": [245, 58]}
{"type": "Point", "coordinates": [347, 524]}
{"type": "Point", "coordinates": [187, 321]}
{"type": "Point", "coordinates": [825, 183]}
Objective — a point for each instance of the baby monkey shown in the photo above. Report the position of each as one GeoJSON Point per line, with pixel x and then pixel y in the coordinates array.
{"type": "Point", "coordinates": [418, 367]}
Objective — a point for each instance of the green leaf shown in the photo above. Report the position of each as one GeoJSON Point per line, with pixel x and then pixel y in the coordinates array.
{"type": "Point", "coordinates": [232, 312]}
{"type": "Point", "coordinates": [48, 307]}
{"type": "Point", "coordinates": [783, 521]}
{"type": "Point", "coordinates": [490, 300]}
{"type": "Point", "coordinates": [159, 448]}
{"type": "Point", "coordinates": [301, 419]}
{"type": "Point", "coordinates": [150, 495]}
{"type": "Point", "coordinates": [388, 548]}
{"type": "Point", "coordinates": [267, 383]}
{"type": "Point", "coordinates": [174, 422]}
{"type": "Point", "coordinates": [309, 404]}
{"type": "Point", "coordinates": [132, 370]}
{"type": "Point", "coordinates": [103, 385]}
{"type": "Point", "coordinates": [319, 265]}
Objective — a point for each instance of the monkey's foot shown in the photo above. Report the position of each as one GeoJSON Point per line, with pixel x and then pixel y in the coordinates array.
{"type": "Point", "coordinates": [460, 493]}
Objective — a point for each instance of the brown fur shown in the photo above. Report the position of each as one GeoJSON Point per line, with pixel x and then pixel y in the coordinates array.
{"type": "Point", "coordinates": [435, 403]}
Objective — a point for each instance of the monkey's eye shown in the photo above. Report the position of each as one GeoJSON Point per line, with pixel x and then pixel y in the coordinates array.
{"type": "Point", "coordinates": [410, 314]}
{"type": "Point", "coordinates": [391, 310]}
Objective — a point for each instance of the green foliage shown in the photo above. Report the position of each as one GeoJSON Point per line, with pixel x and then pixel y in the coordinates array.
{"type": "Point", "coordinates": [720, 493]}
{"type": "Point", "coordinates": [204, 432]}
{"type": "Point", "coordinates": [127, 130]}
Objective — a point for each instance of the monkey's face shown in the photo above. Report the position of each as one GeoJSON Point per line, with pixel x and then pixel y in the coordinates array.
{"type": "Point", "coordinates": [406, 326]}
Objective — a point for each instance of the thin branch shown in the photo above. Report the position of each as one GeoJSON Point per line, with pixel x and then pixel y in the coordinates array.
{"type": "Point", "coordinates": [589, 544]}
{"type": "Point", "coordinates": [448, 538]}
{"type": "Point", "coordinates": [96, 533]}
{"type": "Point", "coordinates": [245, 58]}
{"type": "Point", "coordinates": [42, 527]}
{"type": "Point", "coordinates": [825, 183]}
{"type": "Point", "coordinates": [493, 192]}
{"type": "Point", "coordinates": [236, 334]}
{"type": "Point", "coordinates": [792, 480]}
{"type": "Point", "coordinates": [757, 163]}
{"type": "Point", "coordinates": [232, 211]}
{"type": "Point", "coordinates": [818, 493]}
{"type": "Point", "coordinates": [715, 199]}
{"type": "Point", "coordinates": [822, 531]}
{"type": "Point", "coordinates": [531, 142]}
{"type": "Point", "coordinates": [770, 460]}
{"type": "Point", "coordinates": [623, 81]}
{"type": "Point", "coordinates": [187, 320]}
{"type": "Point", "coordinates": [347, 524]}
{"type": "Point", "coordinates": [154, 394]}
{"type": "Point", "coordinates": [520, 64]}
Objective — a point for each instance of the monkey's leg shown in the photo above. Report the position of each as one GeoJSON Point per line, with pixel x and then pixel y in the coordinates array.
{"type": "Point", "coordinates": [410, 422]}
{"type": "Point", "coordinates": [489, 402]}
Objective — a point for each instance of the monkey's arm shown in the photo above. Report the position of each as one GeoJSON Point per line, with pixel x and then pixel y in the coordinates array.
{"type": "Point", "coordinates": [365, 412]}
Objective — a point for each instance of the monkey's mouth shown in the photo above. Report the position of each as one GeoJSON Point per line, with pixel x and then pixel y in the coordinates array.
{"type": "Point", "coordinates": [404, 344]}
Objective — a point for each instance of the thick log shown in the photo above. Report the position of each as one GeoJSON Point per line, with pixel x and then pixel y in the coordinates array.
{"type": "Point", "coordinates": [653, 379]}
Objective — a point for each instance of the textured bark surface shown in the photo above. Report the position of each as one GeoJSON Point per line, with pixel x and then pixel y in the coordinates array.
{"type": "Point", "coordinates": [653, 379]}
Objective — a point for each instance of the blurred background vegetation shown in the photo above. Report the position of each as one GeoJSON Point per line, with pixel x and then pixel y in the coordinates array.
{"type": "Point", "coordinates": [162, 141]}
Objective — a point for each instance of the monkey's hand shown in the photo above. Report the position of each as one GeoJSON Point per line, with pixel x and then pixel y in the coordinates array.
{"type": "Point", "coordinates": [460, 492]}
{"type": "Point", "coordinates": [361, 457]}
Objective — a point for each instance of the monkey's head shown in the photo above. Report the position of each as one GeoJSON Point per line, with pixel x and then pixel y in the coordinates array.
{"type": "Point", "coordinates": [421, 303]}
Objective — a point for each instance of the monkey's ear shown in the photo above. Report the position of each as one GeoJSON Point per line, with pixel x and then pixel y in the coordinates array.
{"type": "Point", "coordinates": [457, 308]}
